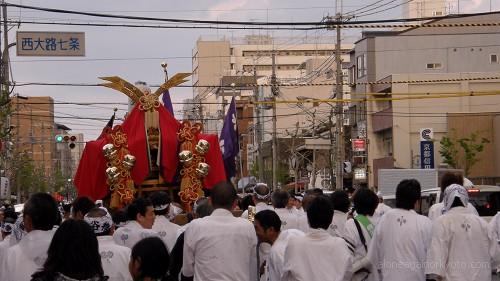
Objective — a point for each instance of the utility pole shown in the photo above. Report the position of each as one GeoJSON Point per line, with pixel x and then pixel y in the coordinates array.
{"type": "Point", "coordinates": [313, 171]}
{"type": "Point", "coordinates": [274, 90]}
{"type": "Point", "coordinates": [340, 110]}
{"type": "Point", "coordinates": [18, 183]}
{"type": "Point", "coordinates": [258, 128]}
{"type": "Point", "coordinates": [296, 159]}
{"type": "Point", "coordinates": [5, 53]}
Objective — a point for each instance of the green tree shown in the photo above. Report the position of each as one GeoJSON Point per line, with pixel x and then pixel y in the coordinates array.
{"type": "Point", "coordinates": [27, 175]}
{"type": "Point", "coordinates": [470, 146]}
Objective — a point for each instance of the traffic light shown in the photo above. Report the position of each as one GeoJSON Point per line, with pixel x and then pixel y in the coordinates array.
{"type": "Point", "coordinates": [347, 167]}
{"type": "Point", "coordinates": [69, 139]}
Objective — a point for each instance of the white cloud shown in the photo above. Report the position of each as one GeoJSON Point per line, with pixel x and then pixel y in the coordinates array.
{"type": "Point", "coordinates": [226, 7]}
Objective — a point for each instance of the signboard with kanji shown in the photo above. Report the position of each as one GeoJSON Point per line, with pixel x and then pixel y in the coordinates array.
{"type": "Point", "coordinates": [50, 44]}
{"type": "Point", "coordinates": [358, 145]}
{"type": "Point", "coordinates": [426, 155]}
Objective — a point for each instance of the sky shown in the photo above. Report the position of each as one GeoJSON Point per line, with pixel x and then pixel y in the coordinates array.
{"type": "Point", "coordinates": [137, 53]}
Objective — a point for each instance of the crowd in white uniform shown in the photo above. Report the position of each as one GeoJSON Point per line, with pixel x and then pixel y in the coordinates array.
{"type": "Point", "coordinates": [315, 238]}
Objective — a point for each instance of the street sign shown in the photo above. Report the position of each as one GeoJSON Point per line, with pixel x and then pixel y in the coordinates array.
{"type": "Point", "coordinates": [360, 174]}
{"type": "Point", "coordinates": [50, 44]}
{"type": "Point", "coordinates": [426, 155]}
{"type": "Point", "coordinates": [4, 188]}
{"type": "Point", "coordinates": [358, 145]}
{"type": "Point", "coordinates": [426, 134]}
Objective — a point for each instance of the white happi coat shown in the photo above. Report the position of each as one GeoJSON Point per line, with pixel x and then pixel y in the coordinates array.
{"type": "Point", "coordinates": [436, 210]}
{"type": "Point", "coordinates": [351, 235]}
{"type": "Point", "coordinates": [461, 247]}
{"type": "Point", "coordinates": [380, 211]}
{"type": "Point", "coordinates": [26, 257]}
{"type": "Point", "coordinates": [289, 218]}
{"type": "Point", "coordinates": [220, 247]}
{"type": "Point", "coordinates": [132, 233]}
{"type": "Point", "coordinates": [275, 261]}
{"type": "Point", "coordinates": [317, 256]}
{"type": "Point", "coordinates": [115, 259]}
{"type": "Point", "coordinates": [261, 206]}
{"type": "Point", "coordinates": [4, 246]}
{"type": "Point", "coordinates": [399, 245]}
{"type": "Point", "coordinates": [337, 228]}
{"type": "Point", "coordinates": [166, 230]}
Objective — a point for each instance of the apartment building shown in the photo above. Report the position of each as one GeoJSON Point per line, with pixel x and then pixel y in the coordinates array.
{"type": "Point", "coordinates": [392, 70]}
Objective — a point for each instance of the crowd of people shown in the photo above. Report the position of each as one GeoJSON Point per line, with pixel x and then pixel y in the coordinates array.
{"type": "Point", "coordinates": [275, 236]}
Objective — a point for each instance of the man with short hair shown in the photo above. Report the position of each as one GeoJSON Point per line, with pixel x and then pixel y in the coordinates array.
{"type": "Point", "coordinates": [359, 230]}
{"type": "Point", "coordinates": [6, 228]}
{"type": "Point", "coordinates": [114, 258]}
{"type": "Point", "coordinates": [401, 237]}
{"type": "Point", "coordinates": [162, 225]}
{"type": "Point", "coordinates": [448, 179]}
{"type": "Point", "coordinates": [261, 195]}
{"type": "Point", "coordinates": [341, 204]}
{"type": "Point", "coordinates": [462, 247]}
{"type": "Point", "coordinates": [220, 247]}
{"type": "Point", "coordinates": [81, 206]}
{"type": "Point", "coordinates": [318, 255]}
{"type": "Point", "coordinates": [268, 228]}
{"type": "Point", "coordinates": [141, 217]}
{"type": "Point", "coordinates": [288, 219]}
{"type": "Point", "coordinates": [28, 256]}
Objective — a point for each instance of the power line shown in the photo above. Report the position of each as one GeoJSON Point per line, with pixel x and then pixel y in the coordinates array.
{"type": "Point", "coordinates": [364, 7]}
{"type": "Point", "coordinates": [381, 11]}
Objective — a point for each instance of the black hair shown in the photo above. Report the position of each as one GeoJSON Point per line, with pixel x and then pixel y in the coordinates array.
{"type": "Point", "coordinates": [9, 215]}
{"type": "Point", "coordinates": [450, 178]}
{"type": "Point", "coordinates": [315, 191]}
{"type": "Point", "coordinates": [119, 217]}
{"type": "Point", "coordinates": [340, 201]}
{"type": "Point", "coordinates": [223, 195]}
{"type": "Point", "coordinates": [43, 211]}
{"type": "Point", "coordinates": [138, 206]}
{"type": "Point", "coordinates": [457, 203]}
{"type": "Point", "coordinates": [153, 257]}
{"type": "Point", "coordinates": [97, 212]}
{"type": "Point", "coordinates": [82, 204]}
{"type": "Point", "coordinates": [320, 212]}
{"type": "Point", "coordinates": [268, 219]}
{"type": "Point", "coordinates": [262, 190]}
{"type": "Point", "coordinates": [204, 208]}
{"type": "Point", "coordinates": [246, 201]}
{"type": "Point", "coordinates": [365, 201]}
{"type": "Point", "coordinates": [407, 194]}
{"type": "Point", "coordinates": [280, 199]}
{"type": "Point", "coordinates": [74, 252]}
{"type": "Point", "coordinates": [160, 198]}
{"type": "Point", "coordinates": [306, 201]}
{"type": "Point", "coordinates": [66, 208]}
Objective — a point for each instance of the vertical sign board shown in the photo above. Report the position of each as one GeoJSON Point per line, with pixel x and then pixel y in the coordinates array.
{"type": "Point", "coordinates": [426, 148]}
{"type": "Point", "coordinates": [4, 188]}
{"type": "Point", "coordinates": [50, 44]}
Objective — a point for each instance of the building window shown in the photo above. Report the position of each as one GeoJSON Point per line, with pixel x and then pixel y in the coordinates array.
{"type": "Point", "coordinates": [437, 13]}
{"type": "Point", "coordinates": [493, 58]}
{"type": "Point", "coordinates": [352, 75]}
{"type": "Point", "coordinates": [435, 65]}
{"type": "Point", "coordinates": [361, 65]}
{"type": "Point", "coordinates": [231, 51]}
{"type": "Point", "coordinates": [232, 66]}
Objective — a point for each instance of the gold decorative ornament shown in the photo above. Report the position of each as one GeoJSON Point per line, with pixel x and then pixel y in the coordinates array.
{"type": "Point", "coordinates": [202, 147]}
{"type": "Point", "coordinates": [202, 170]}
{"type": "Point", "coordinates": [186, 157]}
{"type": "Point", "coordinates": [113, 173]}
{"type": "Point", "coordinates": [251, 213]}
{"type": "Point", "coordinates": [128, 161]}
{"type": "Point", "coordinates": [109, 151]}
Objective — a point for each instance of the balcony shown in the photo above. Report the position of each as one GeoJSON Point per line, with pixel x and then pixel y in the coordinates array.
{"type": "Point", "coordinates": [382, 120]}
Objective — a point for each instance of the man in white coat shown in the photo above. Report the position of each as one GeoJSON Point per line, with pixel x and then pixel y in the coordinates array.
{"type": "Point", "coordinates": [220, 247]}
{"type": "Point", "coordinates": [359, 230]}
{"type": "Point", "coordinates": [341, 204]}
{"type": "Point", "coordinates": [382, 208]}
{"type": "Point", "coordinates": [318, 255]}
{"type": "Point", "coordinates": [448, 179]}
{"type": "Point", "coordinates": [267, 226]}
{"type": "Point", "coordinates": [401, 239]}
{"type": "Point", "coordinates": [114, 258]}
{"type": "Point", "coordinates": [261, 196]}
{"type": "Point", "coordinates": [28, 256]}
{"type": "Point", "coordinates": [162, 225]}
{"type": "Point", "coordinates": [289, 219]}
{"type": "Point", "coordinates": [6, 228]}
{"type": "Point", "coordinates": [462, 247]}
{"type": "Point", "coordinates": [141, 216]}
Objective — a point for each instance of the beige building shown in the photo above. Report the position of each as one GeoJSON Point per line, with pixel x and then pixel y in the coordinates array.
{"type": "Point", "coordinates": [32, 121]}
{"type": "Point", "coordinates": [234, 66]}
{"type": "Point", "coordinates": [428, 8]}
{"type": "Point", "coordinates": [399, 65]}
